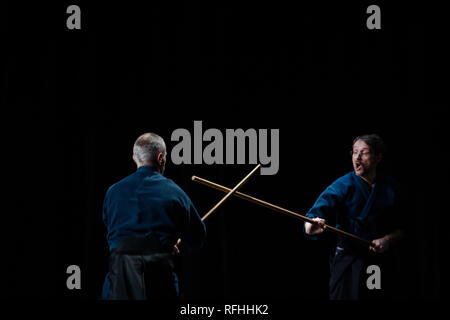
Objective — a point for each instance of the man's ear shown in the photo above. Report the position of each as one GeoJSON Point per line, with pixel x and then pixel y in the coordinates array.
{"type": "Point", "coordinates": [134, 159]}
{"type": "Point", "coordinates": [159, 157]}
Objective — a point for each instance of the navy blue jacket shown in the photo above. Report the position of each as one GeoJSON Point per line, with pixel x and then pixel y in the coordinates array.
{"type": "Point", "coordinates": [147, 203]}
{"type": "Point", "coordinates": [350, 205]}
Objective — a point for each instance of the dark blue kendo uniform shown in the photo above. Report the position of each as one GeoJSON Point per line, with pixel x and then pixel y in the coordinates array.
{"type": "Point", "coordinates": [145, 214]}
{"type": "Point", "coordinates": [352, 205]}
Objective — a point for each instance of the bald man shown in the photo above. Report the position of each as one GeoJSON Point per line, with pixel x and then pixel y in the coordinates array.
{"type": "Point", "coordinates": [145, 214]}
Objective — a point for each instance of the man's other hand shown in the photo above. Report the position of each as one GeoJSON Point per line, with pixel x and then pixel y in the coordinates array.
{"type": "Point", "coordinates": [318, 227]}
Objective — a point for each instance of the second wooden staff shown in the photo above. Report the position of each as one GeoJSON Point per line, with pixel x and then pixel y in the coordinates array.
{"type": "Point", "coordinates": [230, 192]}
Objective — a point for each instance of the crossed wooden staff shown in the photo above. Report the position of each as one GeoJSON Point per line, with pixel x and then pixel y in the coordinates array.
{"type": "Point", "coordinates": [235, 192]}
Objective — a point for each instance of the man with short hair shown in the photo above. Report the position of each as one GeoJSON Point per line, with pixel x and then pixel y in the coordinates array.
{"type": "Point", "coordinates": [369, 205]}
{"type": "Point", "coordinates": [145, 214]}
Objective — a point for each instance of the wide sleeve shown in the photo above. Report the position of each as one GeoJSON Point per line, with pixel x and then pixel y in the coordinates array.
{"type": "Point", "coordinates": [105, 209]}
{"type": "Point", "coordinates": [326, 205]}
{"type": "Point", "coordinates": [194, 232]}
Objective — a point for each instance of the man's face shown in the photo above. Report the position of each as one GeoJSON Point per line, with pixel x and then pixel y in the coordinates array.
{"type": "Point", "coordinates": [363, 158]}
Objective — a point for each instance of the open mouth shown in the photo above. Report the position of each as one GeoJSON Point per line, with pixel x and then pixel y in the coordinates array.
{"type": "Point", "coordinates": [358, 165]}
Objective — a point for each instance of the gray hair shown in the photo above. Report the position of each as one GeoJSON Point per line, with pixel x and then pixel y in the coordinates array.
{"type": "Point", "coordinates": [147, 147]}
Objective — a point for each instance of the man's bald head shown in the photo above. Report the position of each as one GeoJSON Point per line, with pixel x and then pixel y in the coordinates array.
{"type": "Point", "coordinates": [150, 149]}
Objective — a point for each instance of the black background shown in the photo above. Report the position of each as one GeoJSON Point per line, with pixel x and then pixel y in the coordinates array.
{"type": "Point", "coordinates": [74, 101]}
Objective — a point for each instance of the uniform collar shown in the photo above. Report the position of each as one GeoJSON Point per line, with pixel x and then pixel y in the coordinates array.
{"type": "Point", "coordinates": [147, 169]}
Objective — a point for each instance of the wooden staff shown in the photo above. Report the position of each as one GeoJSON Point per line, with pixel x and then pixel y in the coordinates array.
{"type": "Point", "coordinates": [278, 209]}
{"type": "Point", "coordinates": [230, 192]}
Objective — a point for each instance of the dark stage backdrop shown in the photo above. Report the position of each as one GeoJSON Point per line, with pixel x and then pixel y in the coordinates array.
{"type": "Point", "coordinates": [74, 101]}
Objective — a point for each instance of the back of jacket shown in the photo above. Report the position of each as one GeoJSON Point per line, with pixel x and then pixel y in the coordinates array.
{"type": "Point", "coordinates": [147, 203]}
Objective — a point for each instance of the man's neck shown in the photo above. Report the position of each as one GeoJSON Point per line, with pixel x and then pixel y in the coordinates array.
{"type": "Point", "coordinates": [156, 168]}
{"type": "Point", "coordinates": [370, 178]}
